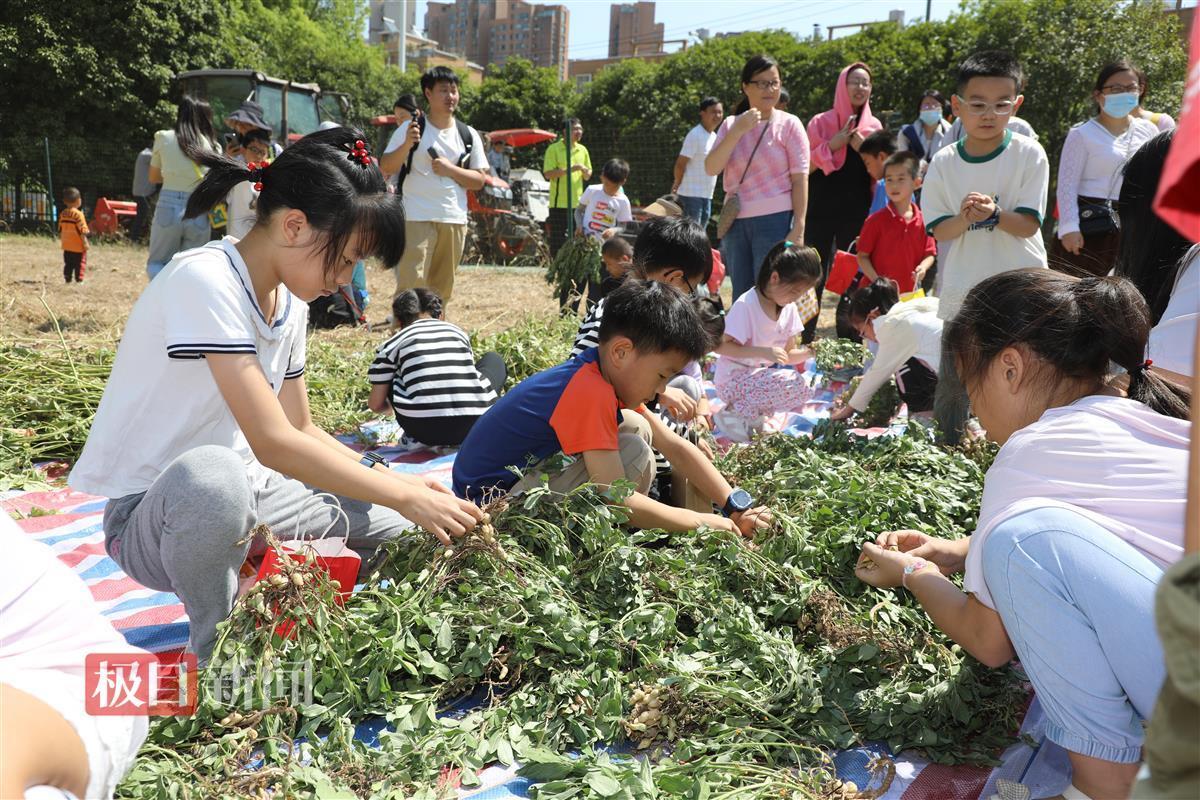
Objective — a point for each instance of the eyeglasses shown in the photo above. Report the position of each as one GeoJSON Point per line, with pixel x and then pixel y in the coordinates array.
{"type": "Point", "coordinates": [859, 84]}
{"type": "Point", "coordinates": [766, 86]}
{"type": "Point", "coordinates": [1114, 89]}
{"type": "Point", "coordinates": [977, 108]}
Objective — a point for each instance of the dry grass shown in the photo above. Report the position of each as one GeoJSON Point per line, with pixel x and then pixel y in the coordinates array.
{"type": "Point", "coordinates": [486, 300]}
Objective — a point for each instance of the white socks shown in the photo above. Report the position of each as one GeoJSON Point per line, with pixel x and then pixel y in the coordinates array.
{"type": "Point", "coordinates": [1071, 793]}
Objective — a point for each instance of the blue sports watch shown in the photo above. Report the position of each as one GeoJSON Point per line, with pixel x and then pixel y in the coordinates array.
{"type": "Point", "coordinates": [739, 501]}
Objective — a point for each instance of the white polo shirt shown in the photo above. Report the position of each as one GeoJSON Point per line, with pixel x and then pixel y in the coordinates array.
{"type": "Point", "coordinates": [161, 399]}
{"type": "Point", "coordinates": [696, 147]}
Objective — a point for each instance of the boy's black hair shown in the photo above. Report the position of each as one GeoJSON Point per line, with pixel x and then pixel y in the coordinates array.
{"type": "Point", "coordinates": [906, 159]}
{"type": "Point", "coordinates": [435, 75]}
{"type": "Point", "coordinates": [341, 197]}
{"type": "Point", "coordinates": [71, 194]}
{"type": "Point", "coordinates": [410, 304]}
{"type": "Point", "coordinates": [793, 261]}
{"type": "Point", "coordinates": [656, 317]}
{"type": "Point", "coordinates": [255, 135]}
{"type": "Point", "coordinates": [673, 243]}
{"type": "Point", "coordinates": [571, 122]}
{"type": "Point", "coordinates": [616, 170]}
{"type": "Point", "coordinates": [709, 102]}
{"type": "Point", "coordinates": [878, 142]}
{"type": "Point", "coordinates": [784, 98]}
{"type": "Point", "coordinates": [406, 101]}
{"type": "Point", "coordinates": [991, 64]}
{"type": "Point", "coordinates": [711, 311]}
{"type": "Point", "coordinates": [616, 246]}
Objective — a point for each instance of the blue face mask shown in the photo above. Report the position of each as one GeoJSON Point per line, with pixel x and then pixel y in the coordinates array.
{"type": "Point", "coordinates": [931, 116]}
{"type": "Point", "coordinates": [1120, 105]}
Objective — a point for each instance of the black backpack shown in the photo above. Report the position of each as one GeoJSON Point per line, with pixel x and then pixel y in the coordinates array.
{"type": "Point", "coordinates": [464, 133]}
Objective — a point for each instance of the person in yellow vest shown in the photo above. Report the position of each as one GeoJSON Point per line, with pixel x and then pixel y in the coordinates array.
{"type": "Point", "coordinates": [562, 199]}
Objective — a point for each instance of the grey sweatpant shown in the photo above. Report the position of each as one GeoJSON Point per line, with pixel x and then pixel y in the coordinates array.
{"type": "Point", "coordinates": [182, 534]}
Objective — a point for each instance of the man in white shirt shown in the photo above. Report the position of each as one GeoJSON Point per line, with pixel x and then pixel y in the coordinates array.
{"type": "Point", "coordinates": [692, 184]}
{"type": "Point", "coordinates": [447, 161]}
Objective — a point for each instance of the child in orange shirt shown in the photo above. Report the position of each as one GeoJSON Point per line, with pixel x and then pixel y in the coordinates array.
{"type": "Point", "coordinates": [73, 231]}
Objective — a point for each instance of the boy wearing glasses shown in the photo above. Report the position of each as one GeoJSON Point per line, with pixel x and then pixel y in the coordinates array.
{"type": "Point", "coordinates": [983, 201]}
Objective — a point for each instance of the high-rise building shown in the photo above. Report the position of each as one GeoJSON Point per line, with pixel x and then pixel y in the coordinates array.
{"type": "Point", "coordinates": [386, 18]}
{"type": "Point", "coordinates": [493, 31]}
{"type": "Point", "coordinates": [632, 30]}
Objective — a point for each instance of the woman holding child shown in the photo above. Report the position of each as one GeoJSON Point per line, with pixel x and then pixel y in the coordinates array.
{"type": "Point", "coordinates": [762, 153]}
{"type": "Point", "coordinates": [840, 185]}
{"type": "Point", "coordinates": [1090, 172]}
{"type": "Point", "coordinates": [1082, 511]}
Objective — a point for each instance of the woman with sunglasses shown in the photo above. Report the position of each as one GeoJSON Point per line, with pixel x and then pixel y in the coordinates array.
{"type": "Point", "coordinates": [762, 153]}
{"type": "Point", "coordinates": [840, 186]}
{"type": "Point", "coordinates": [1090, 174]}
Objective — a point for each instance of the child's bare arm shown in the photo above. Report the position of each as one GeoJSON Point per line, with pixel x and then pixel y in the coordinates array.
{"type": "Point", "coordinates": [866, 265]}
{"type": "Point", "coordinates": [378, 401]}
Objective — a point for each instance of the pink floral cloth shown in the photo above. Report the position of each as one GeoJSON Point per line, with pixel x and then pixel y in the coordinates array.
{"type": "Point", "coordinates": [765, 391]}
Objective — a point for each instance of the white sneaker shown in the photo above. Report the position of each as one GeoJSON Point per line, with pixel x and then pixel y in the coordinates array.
{"type": "Point", "coordinates": [738, 428]}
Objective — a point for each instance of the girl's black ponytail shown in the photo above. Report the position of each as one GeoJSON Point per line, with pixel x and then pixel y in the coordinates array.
{"type": "Point", "coordinates": [792, 261]}
{"type": "Point", "coordinates": [1122, 323]}
{"type": "Point", "coordinates": [1078, 327]}
{"type": "Point", "coordinates": [224, 173]}
{"type": "Point", "coordinates": [881, 294]}
{"type": "Point", "coordinates": [327, 175]}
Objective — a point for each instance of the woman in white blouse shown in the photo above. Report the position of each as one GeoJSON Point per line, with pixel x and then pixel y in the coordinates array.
{"type": "Point", "coordinates": [1089, 174]}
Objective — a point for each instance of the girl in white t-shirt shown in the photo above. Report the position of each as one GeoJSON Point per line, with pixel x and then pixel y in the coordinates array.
{"type": "Point", "coordinates": [204, 428]}
{"type": "Point", "coordinates": [1082, 510]}
{"type": "Point", "coordinates": [754, 375]}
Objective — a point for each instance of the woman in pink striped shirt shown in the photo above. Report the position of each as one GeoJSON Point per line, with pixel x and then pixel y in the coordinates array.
{"type": "Point", "coordinates": [762, 154]}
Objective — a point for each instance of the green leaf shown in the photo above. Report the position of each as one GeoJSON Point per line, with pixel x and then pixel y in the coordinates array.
{"type": "Point", "coordinates": [602, 784]}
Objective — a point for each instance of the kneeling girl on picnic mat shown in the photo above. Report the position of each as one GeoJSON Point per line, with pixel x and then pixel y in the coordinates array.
{"type": "Point", "coordinates": [204, 428]}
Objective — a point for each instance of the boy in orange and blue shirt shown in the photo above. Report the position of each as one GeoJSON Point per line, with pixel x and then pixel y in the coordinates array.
{"type": "Point", "coordinates": [73, 233]}
{"type": "Point", "coordinates": [585, 420]}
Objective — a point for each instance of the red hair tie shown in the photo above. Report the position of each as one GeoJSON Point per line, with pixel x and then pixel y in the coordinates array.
{"type": "Point", "coordinates": [1142, 367]}
{"type": "Point", "coordinates": [257, 173]}
{"type": "Point", "coordinates": [359, 153]}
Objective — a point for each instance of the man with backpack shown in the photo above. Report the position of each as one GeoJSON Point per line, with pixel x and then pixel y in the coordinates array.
{"type": "Point", "coordinates": [437, 159]}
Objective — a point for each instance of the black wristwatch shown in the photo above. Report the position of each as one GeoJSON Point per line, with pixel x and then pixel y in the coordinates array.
{"type": "Point", "coordinates": [739, 501]}
{"type": "Point", "coordinates": [370, 459]}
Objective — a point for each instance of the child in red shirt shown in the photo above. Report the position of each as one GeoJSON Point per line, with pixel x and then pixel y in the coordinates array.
{"type": "Point", "coordinates": [893, 242]}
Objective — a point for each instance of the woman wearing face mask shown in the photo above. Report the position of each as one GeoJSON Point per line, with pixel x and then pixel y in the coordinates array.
{"type": "Point", "coordinates": [1090, 170]}
{"type": "Point", "coordinates": [839, 185]}
{"type": "Point", "coordinates": [927, 134]}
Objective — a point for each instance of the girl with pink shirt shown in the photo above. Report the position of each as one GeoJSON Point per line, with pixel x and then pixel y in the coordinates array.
{"type": "Point", "coordinates": [760, 337]}
{"type": "Point", "coordinates": [762, 154]}
{"type": "Point", "coordinates": [839, 184]}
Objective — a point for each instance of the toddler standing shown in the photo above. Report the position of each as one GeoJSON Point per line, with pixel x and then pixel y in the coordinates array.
{"type": "Point", "coordinates": [73, 233]}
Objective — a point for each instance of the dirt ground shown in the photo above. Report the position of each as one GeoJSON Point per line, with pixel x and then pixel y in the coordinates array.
{"type": "Point", "coordinates": [486, 300]}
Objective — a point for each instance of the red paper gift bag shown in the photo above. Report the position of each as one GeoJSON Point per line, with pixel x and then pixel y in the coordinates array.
{"type": "Point", "coordinates": [330, 555]}
{"type": "Point", "coordinates": [841, 274]}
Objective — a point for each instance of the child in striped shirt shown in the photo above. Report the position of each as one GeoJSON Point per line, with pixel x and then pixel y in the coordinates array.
{"type": "Point", "coordinates": [427, 374]}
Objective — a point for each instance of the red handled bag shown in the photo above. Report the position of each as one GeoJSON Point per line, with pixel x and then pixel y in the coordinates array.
{"type": "Point", "coordinates": [841, 274]}
{"type": "Point", "coordinates": [330, 555]}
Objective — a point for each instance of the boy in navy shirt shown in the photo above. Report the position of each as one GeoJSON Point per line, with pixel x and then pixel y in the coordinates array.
{"type": "Point", "coordinates": [591, 409]}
